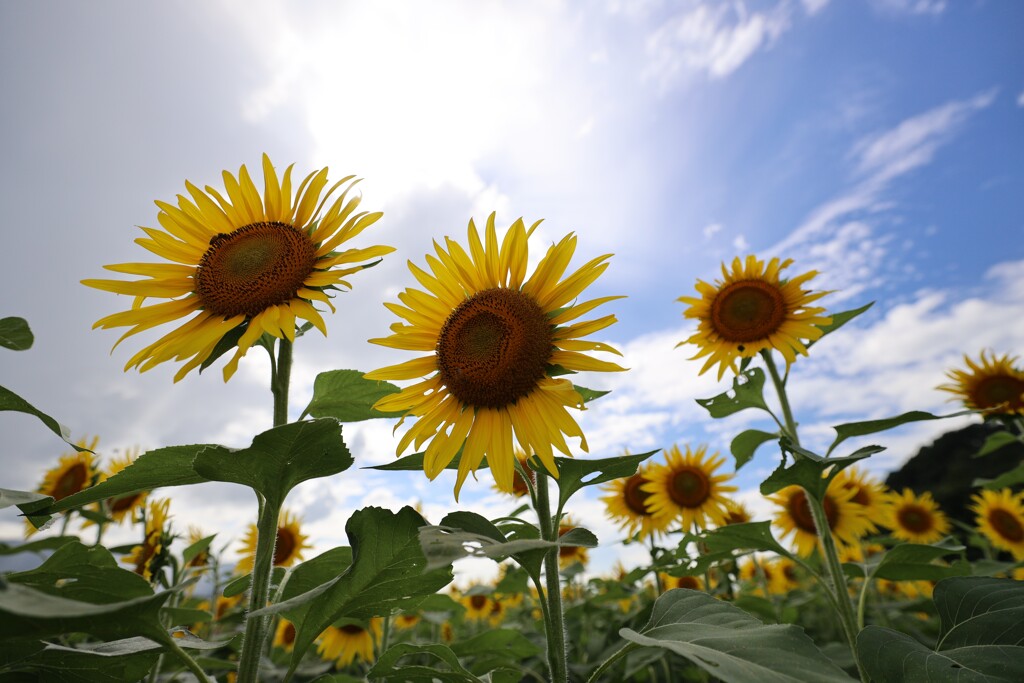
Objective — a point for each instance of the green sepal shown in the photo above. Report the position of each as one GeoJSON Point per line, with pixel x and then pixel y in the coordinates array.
{"type": "Point", "coordinates": [226, 343]}
{"type": "Point", "coordinates": [15, 334]}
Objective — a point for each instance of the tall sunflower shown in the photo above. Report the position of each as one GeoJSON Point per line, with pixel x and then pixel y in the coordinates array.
{"type": "Point", "coordinates": [750, 309]}
{"type": "Point", "coordinates": [627, 504]}
{"type": "Point", "coordinates": [74, 472]}
{"type": "Point", "coordinates": [148, 557]}
{"type": "Point", "coordinates": [1000, 517]}
{"type": "Point", "coordinates": [994, 384]}
{"type": "Point", "coordinates": [845, 518]}
{"type": "Point", "coordinates": [353, 640]}
{"type": "Point", "coordinates": [246, 265]}
{"type": "Point", "coordinates": [288, 549]}
{"type": "Point", "coordinates": [916, 518]}
{"type": "Point", "coordinates": [495, 340]}
{"type": "Point", "coordinates": [686, 487]}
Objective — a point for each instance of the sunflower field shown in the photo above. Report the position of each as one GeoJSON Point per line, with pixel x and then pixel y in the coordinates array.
{"type": "Point", "coordinates": [847, 581]}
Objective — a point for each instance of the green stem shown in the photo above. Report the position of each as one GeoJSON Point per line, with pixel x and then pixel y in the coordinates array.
{"type": "Point", "coordinates": [556, 626]}
{"type": "Point", "coordinates": [279, 381]}
{"type": "Point", "coordinates": [607, 664]}
{"type": "Point", "coordinates": [186, 659]}
{"type": "Point", "coordinates": [862, 600]}
{"type": "Point", "coordinates": [780, 389]}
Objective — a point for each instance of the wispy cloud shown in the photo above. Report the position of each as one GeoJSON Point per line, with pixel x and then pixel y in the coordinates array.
{"type": "Point", "coordinates": [929, 7]}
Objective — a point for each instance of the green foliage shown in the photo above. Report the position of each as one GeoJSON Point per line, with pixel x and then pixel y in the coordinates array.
{"type": "Point", "coordinates": [982, 628]}
{"type": "Point", "coordinates": [500, 649]}
{"type": "Point", "coordinates": [838, 320]}
{"type": "Point", "coordinates": [574, 474]}
{"type": "Point", "coordinates": [86, 573]}
{"type": "Point", "coordinates": [730, 644]}
{"type": "Point", "coordinates": [388, 668]}
{"type": "Point", "coordinates": [1009, 479]}
{"type": "Point", "coordinates": [912, 562]}
{"type": "Point", "coordinates": [747, 536]}
{"type": "Point", "coordinates": [11, 401]}
{"type": "Point", "coordinates": [747, 392]}
{"type": "Point", "coordinates": [851, 429]}
{"type": "Point", "coordinates": [414, 463]}
{"type": "Point", "coordinates": [15, 334]}
{"type": "Point", "coordinates": [347, 396]}
{"type": "Point", "coordinates": [9, 497]}
{"type": "Point", "coordinates": [196, 549]}
{"type": "Point", "coordinates": [809, 469]}
{"type": "Point", "coordinates": [996, 441]}
{"type": "Point", "coordinates": [38, 545]}
{"type": "Point", "coordinates": [746, 442]}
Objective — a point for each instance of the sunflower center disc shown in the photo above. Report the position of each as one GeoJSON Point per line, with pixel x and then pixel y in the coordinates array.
{"type": "Point", "coordinates": [71, 481]}
{"type": "Point", "coordinates": [915, 519]}
{"type": "Point", "coordinates": [748, 310]}
{"type": "Point", "coordinates": [800, 511]}
{"type": "Point", "coordinates": [690, 582]}
{"type": "Point", "coordinates": [253, 268]}
{"type": "Point", "coordinates": [284, 546]}
{"type": "Point", "coordinates": [289, 634]}
{"type": "Point", "coordinates": [494, 348]}
{"type": "Point", "coordinates": [1008, 526]}
{"type": "Point", "coordinates": [124, 502]}
{"type": "Point", "coordinates": [352, 629]}
{"type": "Point", "coordinates": [1000, 390]}
{"type": "Point", "coordinates": [634, 497]}
{"type": "Point", "coordinates": [690, 487]}
{"type": "Point", "coordinates": [478, 601]}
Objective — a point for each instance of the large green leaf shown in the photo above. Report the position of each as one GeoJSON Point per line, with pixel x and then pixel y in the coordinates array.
{"type": "Point", "coordinates": [37, 546]}
{"type": "Point", "coordinates": [279, 459]}
{"type": "Point", "coordinates": [414, 463]}
{"type": "Point", "coordinates": [15, 334]}
{"type": "Point", "coordinates": [86, 573]}
{"type": "Point", "coordinates": [495, 649]}
{"type": "Point", "coordinates": [69, 665]}
{"type": "Point", "coordinates": [387, 668]}
{"type": "Point", "coordinates": [9, 497]}
{"type": "Point", "coordinates": [746, 442]}
{"type": "Point", "coordinates": [732, 645]}
{"type": "Point", "coordinates": [915, 562]}
{"type": "Point", "coordinates": [347, 396]}
{"type": "Point", "coordinates": [747, 536]}
{"type": "Point", "coordinates": [809, 470]}
{"type": "Point", "coordinates": [747, 392]}
{"type": "Point", "coordinates": [11, 401]}
{"type": "Point", "coordinates": [982, 631]}
{"type": "Point", "coordinates": [388, 570]}
{"type": "Point", "coordinates": [1010, 478]}
{"type": "Point", "coordinates": [838, 320]}
{"type": "Point", "coordinates": [851, 429]}
{"type": "Point", "coordinates": [573, 472]}
{"type": "Point", "coordinates": [996, 441]}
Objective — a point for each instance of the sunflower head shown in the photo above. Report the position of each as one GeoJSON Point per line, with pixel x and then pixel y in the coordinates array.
{"type": "Point", "coordinates": [669, 582]}
{"type": "Point", "coordinates": [495, 340]}
{"type": "Point", "coordinates": [569, 555]}
{"type": "Point", "coordinates": [353, 640]}
{"type": "Point", "coordinates": [686, 488]}
{"type": "Point", "coordinates": [74, 472]}
{"type": "Point", "coordinates": [994, 384]}
{"type": "Point", "coordinates": [1000, 518]}
{"type": "Point", "coordinates": [868, 492]}
{"type": "Point", "coordinates": [284, 635]}
{"type": "Point", "coordinates": [406, 621]}
{"type": "Point", "coordinates": [845, 518]}
{"type": "Point", "coordinates": [752, 309]}
{"type": "Point", "coordinates": [627, 504]}
{"type": "Point", "coordinates": [147, 559]}
{"type": "Point", "coordinates": [478, 606]}
{"type": "Point", "coordinates": [289, 547]}
{"type": "Point", "coordinates": [916, 518]}
{"type": "Point", "coordinates": [736, 513]}
{"type": "Point", "coordinates": [241, 265]}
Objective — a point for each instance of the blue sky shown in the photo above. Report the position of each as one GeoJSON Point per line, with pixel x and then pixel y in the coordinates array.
{"type": "Point", "coordinates": [877, 141]}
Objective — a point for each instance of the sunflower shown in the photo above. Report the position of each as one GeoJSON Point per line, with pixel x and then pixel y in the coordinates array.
{"type": "Point", "coordinates": [245, 265]}
{"type": "Point", "coordinates": [993, 385]}
{"type": "Point", "coordinates": [845, 518]}
{"type": "Point", "coordinates": [74, 472]}
{"type": "Point", "coordinates": [478, 606]}
{"type": "Point", "coordinates": [916, 519]}
{"type": "Point", "coordinates": [785, 577]}
{"type": "Point", "coordinates": [284, 635]}
{"type": "Point", "coordinates": [758, 573]}
{"type": "Point", "coordinates": [669, 582]}
{"type": "Point", "coordinates": [148, 557]}
{"type": "Point", "coordinates": [627, 503]}
{"type": "Point", "coordinates": [498, 610]}
{"type": "Point", "coordinates": [496, 339]}
{"type": "Point", "coordinates": [520, 487]}
{"type": "Point", "coordinates": [344, 643]}
{"type": "Point", "coordinates": [447, 632]}
{"type": "Point", "coordinates": [1001, 519]}
{"type": "Point", "coordinates": [569, 555]}
{"type": "Point", "coordinates": [123, 507]}
{"type": "Point", "coordinates": [288, 549]}
{"type": "Point", "coordinates": [404, 622]}
{"type": "Point", "coordinates": [686, 486]}
{"type": "Point", "coordinates": [736, 513]}
{"type": "Point", "coordinates": [751, 309]}
{"type": "Point", "coordinates": [201, 559]}
{"type": "Point", "coordinates": [869, 493]}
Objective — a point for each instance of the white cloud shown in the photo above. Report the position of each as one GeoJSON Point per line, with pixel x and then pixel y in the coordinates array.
{"type": "Point", "coordinates": [740, 243]}
{"type": "Point", "coordinates": [712, 230]}
{"type": "Point", "coordinates": [712, 38]}
{"type": "Point", "coordinates": [932, 7]}
{"type": "Point", "coordinates": [812, 7]}
{"type": "Point", "coordinates": [1020, 99]}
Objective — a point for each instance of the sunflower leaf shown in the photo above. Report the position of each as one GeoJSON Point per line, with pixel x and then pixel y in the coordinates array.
{"type": "Point", "coordinates": [747, 392]}
{"type": "Point", "coordinates": [574, 474]}
{"type": "Point", "coordinates": [9, 497]}
{"type": "Point", "coordinates": [850, 429]}
{"type": "Point", "coordinates": [746, 442]}
{"type": "Point", "coordinates": [240, 584]}
{"type": "Point", "coordinates": [914, 562]}
{"type": "Point", "coordinates": [89, 574]}
{"type": "Point", "coordinates": [590, 394]}
{"type": "Point", "coordinates": [982, 628]}
{"type": "Point", "coordinates": [809, 473]}
{"type": "Point", "coordinates": [437, 656]}
{"type": "Point", "coordinates": [745, 536]}
{"type": "Point", "coordinates": [414, 463]}
{"type": "Point", "coordinates": [1007, 479]}
{"type": "Point", "coordinates": [37, 546]}
{"type": "Point", "coordinates": [838, 320]}
{"type": "Point", "coordinates": [347, 396]}
{"type": "Point", "coordinates": [194, 550]}
{"type": "Point", "coordinates": [280, 458]}
{"type": "Point", "coordinates": [996, 441]}
{"type": "Point", "coordinates": [81, 665]}
{"type": "Point", "coordinates": [15, 334]}
{"type": "Point", "coordinates": [311, 574]}
{"type": "Point", "coordinates": [11, 401]}
{"type": "Point", "coordinates": [388, 568]}
{"type": "Point", "coordinates": [732, 645]}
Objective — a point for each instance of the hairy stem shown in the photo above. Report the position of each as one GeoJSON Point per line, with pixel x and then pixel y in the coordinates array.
{"type": "Point", "coordinates": [555, 623]}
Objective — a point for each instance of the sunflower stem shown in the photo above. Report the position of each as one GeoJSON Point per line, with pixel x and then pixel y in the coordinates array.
{"type": "Point", "coordinates": [256, 629]}
{"type": "Point", "coordinates": [279, 381]}
{"type": "Point", "coordinates": [555, 622]}
{"type": "Point", "coordinates": [606, 664]}
{"type": "Point", "coordinates": [186, 659]}
{"type": "Point", "coordinates": [780, 389]}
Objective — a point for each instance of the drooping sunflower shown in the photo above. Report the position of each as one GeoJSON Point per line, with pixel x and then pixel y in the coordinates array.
{"type": "Point", "coordinates": [148, 557]}
{"type": "Point", "coordinates": [244, 264]}
{"type": "Point", "coordinates": [284, 635]}
{"type": "Point", "coordinates": [344, 644]}
{"type": "Point", "coordinates": [916, 518]}
{"type": "Point", "coordinates": [845, 518]}
{"type": "Point", "coordinates": [627, 504]}
{"type": "Point", "coordinates": [686, 487]}
{"type": "Point", "coordinates": [570, 554]}
{"type": "Point", "coordinates": [289, 548]}
{"type": "Point", "coordinates": [869, 493]}
{"type": "Point", "coordinates": [1000, 517]}
{"type": "Point", "coordinates": [994, 384]}
{"type": "Point", "coordinates": [736, 513]}
{"type": "Point", "coordinates": [496, 339]}
{"type": "Point", "coordinates": [750, 309]}
{"type": "Point", "coordinates": [123, 507]}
